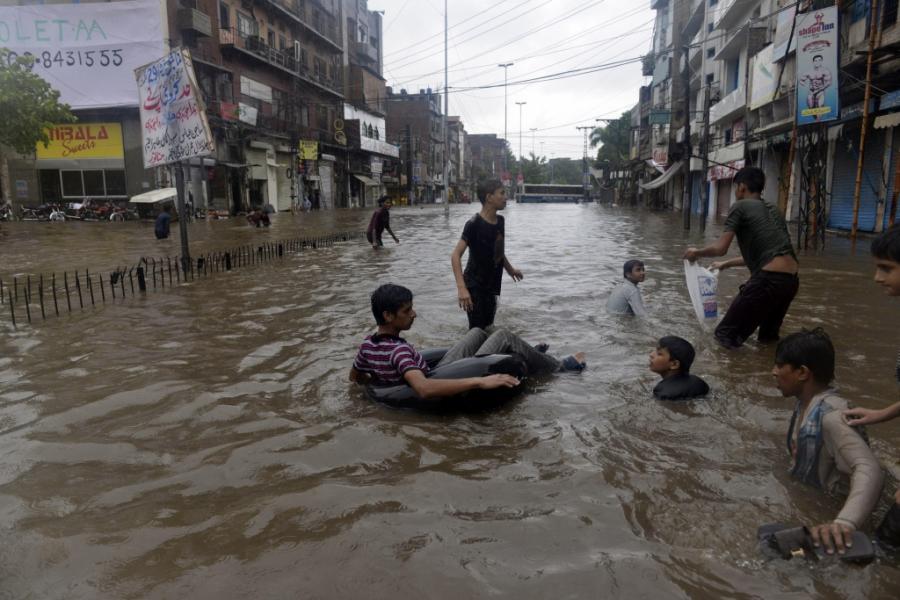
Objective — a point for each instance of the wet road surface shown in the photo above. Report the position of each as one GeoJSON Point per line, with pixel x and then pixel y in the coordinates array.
{"type": "Point", "coordinates": [203, 442]}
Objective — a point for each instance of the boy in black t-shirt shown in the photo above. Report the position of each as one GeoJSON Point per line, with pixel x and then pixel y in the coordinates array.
{"type": "Point", "coordinates": [672, 360]}
{"type": "Point", "coordinates": [484, 235]}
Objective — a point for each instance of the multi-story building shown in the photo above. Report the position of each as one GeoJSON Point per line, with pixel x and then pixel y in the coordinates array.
{"type": "Point", "coordinates": [370, 155]}
{"type": "Point", "coordinates": [415, 120]}
{"type": "Point", "coordinates": [460, 161]}
{"type": "Point", "coordinates": [489, 156]}
{"type": "Point", "coordinates": [666, 109]}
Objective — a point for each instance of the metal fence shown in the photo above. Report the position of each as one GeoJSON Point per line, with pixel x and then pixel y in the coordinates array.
{"type": "Point", "coordinates": [42, 297]}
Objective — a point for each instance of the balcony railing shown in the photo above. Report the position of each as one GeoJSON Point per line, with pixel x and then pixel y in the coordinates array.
{"type": "Point", "coordinates": [322, 29]}
{"type": "Point", "coordinates": [283, 59]}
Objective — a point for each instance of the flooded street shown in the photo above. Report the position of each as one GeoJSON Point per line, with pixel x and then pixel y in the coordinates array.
{"type": "Point", "coordinates": [204, 442]}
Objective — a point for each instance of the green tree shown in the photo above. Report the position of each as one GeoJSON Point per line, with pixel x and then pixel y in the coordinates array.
{"type": "Point", "coordinates": [614, 141]}
{"type": "Point", "coordinates": [534, 169]}
{"type": "Point", "coordinates": [29, 106]}
{"type": "Point", "coordinates": [568, 171]}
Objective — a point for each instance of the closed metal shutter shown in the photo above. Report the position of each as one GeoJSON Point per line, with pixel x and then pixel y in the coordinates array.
{"type": "Point", "coordinates": [846, 155]}
{"type": "Point", "coordinates": [723, 197]}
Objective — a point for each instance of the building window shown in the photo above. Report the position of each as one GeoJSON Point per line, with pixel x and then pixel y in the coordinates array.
{"type": "Point", "coordinates": [270, 38]}
{"type": "Point", "coordinates": [224, 16]}
{"type": "Point", "coordinates": [115, 182]}
{"type": "Point", "coordinates": [709, 78]}
{"type": "Point", "coordinates": [93, 183]}
{"type": "Point", "coordinates": [282, 42]}
{"type": "Point", "coordinates": [713, 2]}
{"type": "Point", "coordinates": [710, 27]}
{"type": "Point", "coordinates": [72, 185]}
{"type": "Point", "coordinates": [710, 52]}
{"type": "Point", "coordinates": [890, 13]}
{"type": "Point", "coordinates": [322, 117]}
{"type": "Point", "coordinates": [246, 26]}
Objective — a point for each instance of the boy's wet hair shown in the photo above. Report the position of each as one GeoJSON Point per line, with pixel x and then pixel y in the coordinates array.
{"type": "Point", "coordinates": [679, 349]}
{"type": "Point", "coordinates": [382, 200]}
{"type": "Point", "coordinates": [629, 266]}
{"type": "Point", "coordinates": [887, 245]}
{"type": "Point", "coordinates": [389, 298]}
{"type": "Point", "coordinates": [808, 348]}
{"type": "Point", "coordinates": [486, 188]}
{"type": "Point", "coordinates": [752, 177]}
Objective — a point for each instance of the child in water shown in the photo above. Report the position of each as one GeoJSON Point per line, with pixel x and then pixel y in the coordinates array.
{"type": "Point", "coordinates": [672, 360]}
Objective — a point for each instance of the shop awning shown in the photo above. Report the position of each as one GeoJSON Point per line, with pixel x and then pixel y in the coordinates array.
{"type": "Point", "coordinates": [367, 180]}
{"type": "Point", "coordinates": [152, 196]}
{"type": "Point", "coordinates": [888, 120]}
{"type": "Point", "coordinates": [662, 179]}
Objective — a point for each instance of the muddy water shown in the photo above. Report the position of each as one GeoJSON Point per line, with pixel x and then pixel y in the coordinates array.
{"type": "Point", "coordinates": [203, 442]}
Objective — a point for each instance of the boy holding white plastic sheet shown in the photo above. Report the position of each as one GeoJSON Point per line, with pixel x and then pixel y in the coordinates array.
{"type": "Point", "coordinates": [766, 250]}
{"type": "Point", "coordinates": [826, 452]}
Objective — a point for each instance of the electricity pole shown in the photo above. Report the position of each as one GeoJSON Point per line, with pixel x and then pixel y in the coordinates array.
{"type": "Point", "coordinates": [521, 104]}
{"type": "Point", "coordinates": [446, 129]}
{"type": "Point", "coordinates": [686, 82]}
{"type": "Point", "coordinates": [505, 66]}
{"type": "Point", "coordinates": [585, 177]}
{"type": "Point", "coordinates": [532, 130]}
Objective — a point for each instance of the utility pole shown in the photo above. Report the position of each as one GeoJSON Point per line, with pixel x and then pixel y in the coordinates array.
{"type": "Point", "coordinates": [409, 166]}
{"type": "Point", "coordinates": [446, 129]}
{"type": "Point", "coordinates": [704, 182]}
{"type": "Point", "coordinates": [686, 177]}
{"type": "Point", "coordinates": [521, 104]}
{"type": "Point", "coordinates": [505, 66]}
{"type": "Point", "coordinates": [532, 130]}
{"type": "Point", "coordinates": [585, 177]}
{"type": "Point", "coordinates": [873, 33]}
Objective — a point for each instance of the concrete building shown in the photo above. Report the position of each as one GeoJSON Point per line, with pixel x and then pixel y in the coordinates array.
{"type": "Point", "coordinates": [369, 155]}
{"type": "Point", "coordinates": [489, 156]}
{"type": "Point", "coordinates": [417, 119]}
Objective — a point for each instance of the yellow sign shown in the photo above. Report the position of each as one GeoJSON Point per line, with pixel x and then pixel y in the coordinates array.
{"type": "Point", "coordinates": [83, 140]}
{"type": "Point", "coordinates": [309, 150]}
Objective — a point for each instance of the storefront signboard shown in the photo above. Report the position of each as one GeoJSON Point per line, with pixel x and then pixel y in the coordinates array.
{"type": "Point", "coordinates": [817, 66]}
{"type": "Point", "coordinates": [173, 119]}
{"type": "Point", "coordinates": [87, 51]}
{"type": "Point", "coordinates": [309, 150]}
{"type": "Point", "coordinates": [82, 140]}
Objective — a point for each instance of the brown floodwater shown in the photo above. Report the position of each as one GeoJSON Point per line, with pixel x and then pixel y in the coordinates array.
{"type": "Point", "coordinates": [203, 442]}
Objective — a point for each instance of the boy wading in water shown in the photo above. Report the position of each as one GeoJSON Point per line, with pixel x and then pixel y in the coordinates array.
{"type": "Point", "coordinates": [478, 287]}
{"type": "Point", "coordinates": [380, 222]}
{"type": "Point", "coordinates": [766, 250]}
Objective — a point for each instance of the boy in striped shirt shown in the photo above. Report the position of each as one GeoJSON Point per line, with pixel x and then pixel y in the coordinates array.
{"type": "Point", "coordinates": [385, 358]}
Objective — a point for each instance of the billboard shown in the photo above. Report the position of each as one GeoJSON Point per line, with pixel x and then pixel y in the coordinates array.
{"type": "Point", "coordinates": [88, 52]}
{"type": "Point", "coordinates": [763, 77]}
{"type": "Point", "coordinates": [173, 118]}
{"type": "Point", "coordinates": [82, 140]}
{"type": "Point", "coordinates": [817, 66]}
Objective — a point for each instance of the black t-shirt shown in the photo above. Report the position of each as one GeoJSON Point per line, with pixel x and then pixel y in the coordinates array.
{"type": "Point", "coordinates": [484, 270]}
{"type": "Point", "coordinates": [680, 387]}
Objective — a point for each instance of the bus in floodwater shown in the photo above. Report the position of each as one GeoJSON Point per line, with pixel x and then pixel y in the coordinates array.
{"type": "Point", "coordinates": [547, 193]}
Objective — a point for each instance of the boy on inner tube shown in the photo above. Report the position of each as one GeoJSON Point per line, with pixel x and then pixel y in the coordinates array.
{"type": "Point", "coordinates": [385, 358]}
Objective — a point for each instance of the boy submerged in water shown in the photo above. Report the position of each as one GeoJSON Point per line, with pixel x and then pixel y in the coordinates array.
{"type": "Point", "coordinates": [626, 298]}
{"type": "Point", "coordinates": [826, 452]}
{"type": "Point", "coordinates": [672, 361]}
{"type": "Point", "coordinates": [385, 358]}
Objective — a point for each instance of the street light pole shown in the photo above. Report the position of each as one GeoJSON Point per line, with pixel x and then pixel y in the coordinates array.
{"type": "Point", "coordinates": [585, 181]}
{"type": "Point", "coordinates": [446, 129]}
{"type": "Point", "coordinates": [505, 66]}
{"type": "Point", "coordinates": [521, 104]}
{"type": "Point", "coordinates": [532, 130]}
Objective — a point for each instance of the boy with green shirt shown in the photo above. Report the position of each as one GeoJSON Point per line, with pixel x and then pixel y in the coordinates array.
{"type": "Point", "coordinates": [766, 250]}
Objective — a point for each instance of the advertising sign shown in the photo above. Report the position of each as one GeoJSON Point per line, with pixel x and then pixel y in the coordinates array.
{"type": "Point", "coordinates": [309, 150]}
{"type": "Point", "coordinates": [83, 140]}
{"type": "Point", "coordinates": [764, 78]}
{"type": "Point", "coordinates": [88, 52]}
{"type": "Point", "coordinates": [783, 27]}
{"type": "Point", "coordinates": [817, 66]}
{"type": "Point", "coordinates": [173, 118]}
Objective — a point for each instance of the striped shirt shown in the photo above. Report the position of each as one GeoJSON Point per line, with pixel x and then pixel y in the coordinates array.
{"type": "Point", "coordinates": [387, 358]}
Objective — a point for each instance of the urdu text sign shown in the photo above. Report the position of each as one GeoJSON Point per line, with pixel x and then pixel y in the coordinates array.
{"type": "Point", "coordinates": [173, 119]}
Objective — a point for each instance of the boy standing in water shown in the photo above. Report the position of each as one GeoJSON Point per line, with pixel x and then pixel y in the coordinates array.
{"type": "Point", "coordinates": [478, 287]}
{"type": "Point", "coordinates": [826, 453]}
{"type": "Point", "coordinates": [381, 221]}
{"type": "Point", "coordinates": [886, 252]}
{"type": "Point", "coordinates": [767, 251]}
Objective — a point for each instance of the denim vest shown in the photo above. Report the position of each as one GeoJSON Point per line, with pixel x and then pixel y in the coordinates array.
{"type": "Point", "coordinates": [810, 440]}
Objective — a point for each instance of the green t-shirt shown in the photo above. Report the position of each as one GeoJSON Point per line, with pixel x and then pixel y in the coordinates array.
{"type": "Point", "coordinates": [761, 232]}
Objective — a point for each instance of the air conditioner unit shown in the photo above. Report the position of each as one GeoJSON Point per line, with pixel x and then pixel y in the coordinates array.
{"type": "Point", "coordinates": [247, 4]}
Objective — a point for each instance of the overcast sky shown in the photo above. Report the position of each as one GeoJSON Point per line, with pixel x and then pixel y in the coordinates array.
{"type": "Point", "coordinates": [541, 37]}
